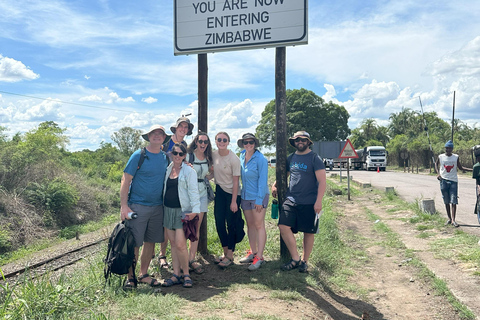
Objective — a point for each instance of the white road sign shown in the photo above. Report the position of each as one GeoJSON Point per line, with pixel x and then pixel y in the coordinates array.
{"type": "Point", "coordinates": [226, 25]}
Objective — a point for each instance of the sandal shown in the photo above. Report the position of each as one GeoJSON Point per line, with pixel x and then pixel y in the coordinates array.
{"type": "Point", "coordinates": [153, 282]}
{"type": "Point", "coordinates": [198, 269]}
{"type": "Point", "coordinates": [164, 264]}
{"type": "Point", "coordinates": [187, 281]}
{"type": "Point", "coordinates": [130, 284]}
{"type": "Point", "coordinates": [292, 264]}
{"type": "Point", "coordinates": [219, 259]}
{"type": "Point", "coordinates": [225, 263]}
{"type": "Point", "coordinates": [169, 282]}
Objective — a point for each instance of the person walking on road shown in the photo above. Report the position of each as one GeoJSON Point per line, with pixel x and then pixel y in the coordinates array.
{"type": "Point", "coordinates": [303, 204]}
{"type": "Point", "coordinates": [447, 166]}
{"type": "Point", "coordinates": [141, 191]}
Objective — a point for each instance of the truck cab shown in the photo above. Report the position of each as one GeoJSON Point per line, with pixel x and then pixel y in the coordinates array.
{"type": "Point", "coordinates": [375, 157]}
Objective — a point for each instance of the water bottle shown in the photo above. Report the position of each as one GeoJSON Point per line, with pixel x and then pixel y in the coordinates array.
{"type": "Point", "coordinates": [132, 215]}
{"type": "Point", "coordinates": [274, 214]}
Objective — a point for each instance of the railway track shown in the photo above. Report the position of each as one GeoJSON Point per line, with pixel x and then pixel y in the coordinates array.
{"type": "Point", "coordinates": [55, 263]}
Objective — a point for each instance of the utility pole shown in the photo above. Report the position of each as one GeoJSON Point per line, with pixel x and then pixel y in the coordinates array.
{"type": "Point", "coordinates": [203, 126]}
{"type": "Point", "coordinates": [281, 137]}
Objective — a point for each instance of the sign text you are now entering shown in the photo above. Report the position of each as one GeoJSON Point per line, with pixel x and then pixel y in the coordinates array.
{"type": "Point", "coordinates": [211, 26]}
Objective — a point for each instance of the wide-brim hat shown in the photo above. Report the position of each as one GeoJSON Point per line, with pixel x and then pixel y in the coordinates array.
{"type": "Point", "coordinates": [245, 137]}
{"type": "Point", "coordinates": [153, 128]}
{"type": "Point", "coordinates": [302, 134]}
{"type": "Point", "coordinates": [180, 120]}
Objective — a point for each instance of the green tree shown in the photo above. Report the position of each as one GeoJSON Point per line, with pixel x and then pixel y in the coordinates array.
{"type": "Point", "coordinates": [128, 140]}
{"type": "Point", "coordinates": [369, 134]}
{"type": "Point", "coordinates": [305, 111]}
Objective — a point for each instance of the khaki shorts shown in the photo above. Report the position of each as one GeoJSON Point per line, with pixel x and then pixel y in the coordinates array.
{"type": "Point", "coordinates": [148, 227]}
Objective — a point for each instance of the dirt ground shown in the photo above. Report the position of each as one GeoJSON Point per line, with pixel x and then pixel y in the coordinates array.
{"type": "Point", "coordinates": [393, 289]}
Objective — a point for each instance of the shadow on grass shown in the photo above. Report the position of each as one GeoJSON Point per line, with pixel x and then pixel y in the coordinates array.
{"type": "Point", "coordinates": [215, 281]}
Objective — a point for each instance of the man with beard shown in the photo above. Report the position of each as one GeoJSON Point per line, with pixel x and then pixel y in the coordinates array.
{"type": "Point", "coordinates": [303, 204]}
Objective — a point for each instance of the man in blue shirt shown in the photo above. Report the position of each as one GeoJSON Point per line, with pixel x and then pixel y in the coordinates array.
{"type": "Point", "coordinates": [303, 204]}
{"type": "Point", "coordinates": [141, 191]}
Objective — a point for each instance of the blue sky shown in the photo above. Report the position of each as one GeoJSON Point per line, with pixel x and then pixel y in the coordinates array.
{"type": "Point", "coordinates": [113, 62]}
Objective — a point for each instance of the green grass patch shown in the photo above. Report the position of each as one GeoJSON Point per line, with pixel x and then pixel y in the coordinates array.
{"type": "Point", "coordinates": [461, 246]}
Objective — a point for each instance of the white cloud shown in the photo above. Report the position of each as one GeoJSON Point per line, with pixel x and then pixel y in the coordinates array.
{"type": "Point", "coordinates": [13, 71]}
{"type": "Point", "coordinates": [92, 97]}
{"type": "Point", "coordinates": [149, 100]}
{"type": "Point", "coordinates": [46, 110]}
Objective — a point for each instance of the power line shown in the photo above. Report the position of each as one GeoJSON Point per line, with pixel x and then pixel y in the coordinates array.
{"type": "Point", "coordinates": [66, 102]}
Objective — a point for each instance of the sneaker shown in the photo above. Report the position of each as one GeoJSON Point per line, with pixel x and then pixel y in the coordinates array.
{"type": "Point", "coordinates": [448, 222]}
{"type": "Point", "coordinates": [455, 224]}
{"type": "Point", "coordinates": [257, 262]}
{"type": "Point", "coordinates": [303, 267]}
{"type": "Point", "coordinates": [248, 258]}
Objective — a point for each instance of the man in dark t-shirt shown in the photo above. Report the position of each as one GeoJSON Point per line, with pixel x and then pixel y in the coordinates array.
{"type": "Point", "coordinates": [303, 203]}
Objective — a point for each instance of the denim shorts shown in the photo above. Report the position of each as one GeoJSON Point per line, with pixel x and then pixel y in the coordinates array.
{"type": "Point", "coordinates": [250, 204]}
{"type": "Point", "coordinates": [449, 191]}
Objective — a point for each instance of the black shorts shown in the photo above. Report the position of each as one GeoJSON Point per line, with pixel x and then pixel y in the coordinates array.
{"type": "Point", "coordinates": [300, 217]}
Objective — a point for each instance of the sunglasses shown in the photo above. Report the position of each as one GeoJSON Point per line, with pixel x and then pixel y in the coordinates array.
{"type": "Point", "coordinates": [224, 140]}
{"type": "Point", "coordinates": [248, 142]}
{"type": "Point", "coordinates": [301, 140]}
{"type": "Point", "coordinates": [202, 141]}
{"type": "Point", "coordinates": [175, 153]}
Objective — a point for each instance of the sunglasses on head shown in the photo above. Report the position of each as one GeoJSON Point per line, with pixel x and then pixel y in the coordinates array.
{"type": "Point", "coordinates": [202, 141]}
{"type": "Point", "coordinates": [301, 140]}
{"type": "Point", "coordinates": [175, 153]}
{"type": "Point", "coordinates": [248, 142]}
{"type": "Point", "coordinates": [224, 140]}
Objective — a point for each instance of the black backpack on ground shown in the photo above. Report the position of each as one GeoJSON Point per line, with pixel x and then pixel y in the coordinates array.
{"type": "Point", "coordinates": [121, 251]}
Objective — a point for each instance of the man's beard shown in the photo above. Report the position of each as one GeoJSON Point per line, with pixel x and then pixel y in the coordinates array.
{"type": "Point", "coordinates": [302, 147]}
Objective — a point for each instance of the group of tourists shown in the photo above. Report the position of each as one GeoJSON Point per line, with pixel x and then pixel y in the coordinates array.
{"type": "Point", "coordinates": [169, 193]}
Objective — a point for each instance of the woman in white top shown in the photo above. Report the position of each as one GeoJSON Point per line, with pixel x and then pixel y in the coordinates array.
{"type": "Point", "coordinates": [181, 203]}
{"type": "Point", "coordinates": [228, 217]}
{"type": "Point", "coordinates": [200, 156]}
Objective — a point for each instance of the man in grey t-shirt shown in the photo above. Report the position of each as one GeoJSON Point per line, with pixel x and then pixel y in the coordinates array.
{"type": "Point", "coordinates": [303, 203]}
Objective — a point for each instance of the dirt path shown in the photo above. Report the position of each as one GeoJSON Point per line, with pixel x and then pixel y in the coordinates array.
{"type": "Point", "coordinates": [395, 289]}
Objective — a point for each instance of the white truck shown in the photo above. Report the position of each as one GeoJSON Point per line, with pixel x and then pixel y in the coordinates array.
{"type": "Point", "coordinates": [370, 158]}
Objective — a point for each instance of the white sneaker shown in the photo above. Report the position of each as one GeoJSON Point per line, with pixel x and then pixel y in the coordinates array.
{"type": "Point", "coordinates": [248, 258]}
{"type": "Point", "coordinates": [257, 262]}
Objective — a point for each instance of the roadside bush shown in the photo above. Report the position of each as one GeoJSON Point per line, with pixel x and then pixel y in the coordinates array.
{"type": "Point", "coordinates": [58, 198]}
{"type": "Point", "coordinates": [116, 171]}
{"type": "Point", "coordinates": [5, 239]}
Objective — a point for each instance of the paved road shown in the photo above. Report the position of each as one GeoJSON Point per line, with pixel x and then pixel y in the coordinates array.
{"type": "Point", "coordinates": [411, 186]}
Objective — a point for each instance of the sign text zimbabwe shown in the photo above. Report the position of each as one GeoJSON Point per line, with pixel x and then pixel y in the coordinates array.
{"type": "Point", "coordinates": [226, 25]}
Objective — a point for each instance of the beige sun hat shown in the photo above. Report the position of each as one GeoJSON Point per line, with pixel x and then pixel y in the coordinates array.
{"type": "Point", "coordinates": [248, 136]}
{"type": "Point", "coordinates": [153, 128]}
{"type": "Point", "coordinates": [300, 134]}
{"type": "Point", "coordinates": [180, 120]}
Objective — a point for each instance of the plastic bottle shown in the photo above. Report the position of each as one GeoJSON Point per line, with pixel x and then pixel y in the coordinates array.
{"type": "Point", "coordinates": [274, 214]}
{"type": "Point", "coordinates": [132, 215]}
